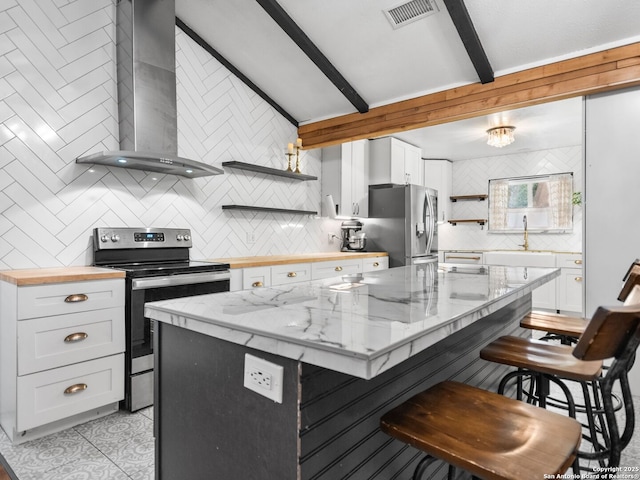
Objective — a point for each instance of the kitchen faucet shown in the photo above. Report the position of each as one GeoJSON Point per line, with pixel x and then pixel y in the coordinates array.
{"type": "Point", "coordinates": [526, 234]}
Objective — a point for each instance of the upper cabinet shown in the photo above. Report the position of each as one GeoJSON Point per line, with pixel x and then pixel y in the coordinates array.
{"type": "Point", "coordinates": [394, 161]}
{"type": "Point", "coordinates": [438, 175]}
{"type": "Point", "coordinates": [345, 171]}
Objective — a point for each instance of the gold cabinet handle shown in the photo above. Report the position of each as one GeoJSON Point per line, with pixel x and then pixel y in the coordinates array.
{"type": "Point", "coordinates": [376, 264]}
{"type": "Point", "coordinates": [77, 388]}
{"type": "Point", "coordinates": [338, 269]}
{"type": "Point", "coordinates": [76, 297]}
{"type": "Point", "coordinates": [578, 279]}
{"type": "Point", "coordinates": [76, 337]}
{"type": "Point", "coordinates": [292, 274]}
{"type": "Point", "coordinates": [257, 284]}
{"type": "Point", "coordinates": [578, 262]}
{"type": "Point", "coordinates": [461, 258]}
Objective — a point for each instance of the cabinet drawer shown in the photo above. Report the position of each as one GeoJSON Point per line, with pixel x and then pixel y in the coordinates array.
{"type": "Point", "coordinates": [284, 274]}
{"type": "Point", "coordinates": [335, 269]}
{"type": "Point", "coordinates": [42, 398]}
{"type": "Point", "coordinates": [565, 260]}
{"type": "Point", "coordinates": [61, 298]}
{"type": "Point", "coordinates": [256, 277]}
{"type": "Point", "coordinates": [50, 342]}
{"type": "Point", "coordinates": [375, 264]}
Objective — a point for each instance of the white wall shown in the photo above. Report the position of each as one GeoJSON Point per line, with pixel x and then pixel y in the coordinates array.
{"type": "Point", "coordinates": [472, 177]}
{"type": "Point", "coordinates": [58, 101]}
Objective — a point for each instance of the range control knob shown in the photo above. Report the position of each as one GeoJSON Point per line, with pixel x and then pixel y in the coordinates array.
{"type": "Point", "coordinates": [115, 238]}
{"type": "Point", "coordinates": [179, 237]}
{"type": "Point", "coordinates": [187, 238]}
{"type": "Point", "coordinates": [104, 238]}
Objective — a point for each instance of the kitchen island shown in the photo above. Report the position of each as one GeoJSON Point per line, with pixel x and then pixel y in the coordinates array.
{"type": "Point", "coordinates": [350, 349]}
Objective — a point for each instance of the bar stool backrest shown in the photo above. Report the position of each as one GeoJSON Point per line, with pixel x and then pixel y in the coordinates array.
{"type": "Point", "coordinates": [612, 331]}
{"type": "Point", "coordinates": [631, 279]}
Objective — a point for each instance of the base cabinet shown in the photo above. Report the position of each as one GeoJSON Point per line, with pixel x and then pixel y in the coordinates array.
{"type": "Point", "coordinates": [267, 276]}
{"type": "Point", "coordinates": [61, 355]}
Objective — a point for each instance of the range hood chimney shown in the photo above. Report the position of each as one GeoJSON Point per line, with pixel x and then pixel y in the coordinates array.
{"type": "Point", "coordinates": [146, 62]}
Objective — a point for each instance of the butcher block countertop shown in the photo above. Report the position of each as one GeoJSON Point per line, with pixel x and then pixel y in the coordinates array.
{"type": "Point", "coordinates": [266, 260]}
{"type": "Point", "coordinates": [39, 276]}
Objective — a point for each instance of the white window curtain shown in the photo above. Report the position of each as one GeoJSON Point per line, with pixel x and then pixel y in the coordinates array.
{"type": "Point", "coordinates": [498, 203]}
{"type": "Point", "coordinates": [560, 193]}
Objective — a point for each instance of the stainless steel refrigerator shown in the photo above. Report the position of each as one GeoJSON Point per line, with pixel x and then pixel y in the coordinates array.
{"type": "Point", "coordinates": [402, 222]}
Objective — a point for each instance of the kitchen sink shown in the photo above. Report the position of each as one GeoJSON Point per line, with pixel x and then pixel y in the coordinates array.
{"type": "Point", "coordinates": [521, 259]}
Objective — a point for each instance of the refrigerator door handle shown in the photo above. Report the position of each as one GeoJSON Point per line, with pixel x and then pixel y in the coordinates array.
{"type": "Point", "coordinates": [431, 223]}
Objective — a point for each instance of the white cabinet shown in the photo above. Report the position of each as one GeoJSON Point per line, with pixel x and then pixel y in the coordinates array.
{"type": "Point", "coordinates": [373, 264]}
{"type": "Point", "coordinates": [256, 277]}
{"type": "Point", "coordinates": [61, 354]}
{"type": "Point", "coordinates": [569, 283]}
{"type": "Point", "coordinates": [335, 268]}
{"type": "Point", "coordinates": [438, 175]}
{"type": "Point", "coordinates": [291, 273]}
{"type": "Point", "coordinates": [344, 177]}
{"type": "Point", "coordinates": [394, 161]}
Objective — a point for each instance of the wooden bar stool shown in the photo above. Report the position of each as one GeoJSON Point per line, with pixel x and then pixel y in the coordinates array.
{"type": "Point", "coordinates": [612, 333]}
{"type": "Point", "coordinates": [566, 328]}
{"type": "Point", "coordinates": [488, 435]}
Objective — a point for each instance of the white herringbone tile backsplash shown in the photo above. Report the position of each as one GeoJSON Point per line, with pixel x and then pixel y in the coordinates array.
{"type": "Point", "coordinates": [58, 101]}
{"type": "Point", "coordinates": [472, 177]}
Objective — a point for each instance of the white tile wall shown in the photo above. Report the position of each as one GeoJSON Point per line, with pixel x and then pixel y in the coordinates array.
{"type": "Point", "coordinates": [472, 177]}
{"type": "Point", "coordinates": [58, 101]}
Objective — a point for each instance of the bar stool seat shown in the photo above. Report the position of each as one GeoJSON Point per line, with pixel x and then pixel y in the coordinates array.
{"type": "Point", "coordinates": [488, 435]}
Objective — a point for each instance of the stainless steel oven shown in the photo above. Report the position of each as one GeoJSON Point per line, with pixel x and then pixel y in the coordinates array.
{"type": "Point", "coordinates": [157, 266]}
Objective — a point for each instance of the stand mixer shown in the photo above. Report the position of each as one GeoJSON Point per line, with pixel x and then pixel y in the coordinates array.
{"type": "Point", "coordinates": [353, 238]}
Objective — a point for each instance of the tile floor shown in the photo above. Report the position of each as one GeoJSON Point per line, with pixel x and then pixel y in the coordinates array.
{"type": "Point", "coordinates": [121, 447]}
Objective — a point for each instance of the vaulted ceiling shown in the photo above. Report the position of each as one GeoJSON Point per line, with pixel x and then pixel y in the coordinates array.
{"type": "Point", "coordinates": [321, 59]}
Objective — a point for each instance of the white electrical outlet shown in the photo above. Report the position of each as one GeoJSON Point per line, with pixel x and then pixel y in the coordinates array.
{"type": "Point", "coordinates": [263, 377]}
{"type": "Point", "coordinates": [251, 238]}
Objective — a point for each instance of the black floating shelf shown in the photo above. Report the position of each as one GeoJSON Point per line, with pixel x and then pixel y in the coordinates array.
{"type": "Point", "coordinates": [480, 197]}
{"type": "Point", "coordinates": [267, 170]}
{"type": "Point", "coordinates": [268, 209]}
{"type": "Point", "coordinates": [479, 221]}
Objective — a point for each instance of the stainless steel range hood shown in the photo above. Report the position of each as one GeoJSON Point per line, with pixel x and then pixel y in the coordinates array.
{"type": "Point", "coordinates": [147, 93]}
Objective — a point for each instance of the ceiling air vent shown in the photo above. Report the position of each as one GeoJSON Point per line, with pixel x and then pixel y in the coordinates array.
{"type": "Point", "coordinates": [410, 12]}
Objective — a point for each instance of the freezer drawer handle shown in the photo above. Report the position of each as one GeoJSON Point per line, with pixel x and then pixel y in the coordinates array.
{"type": "Point", "coordinates": [77, 388]}
{"type": "Point", "coordinates": [292, 274]}
{"type": "Point", "coordinates": [76, 337]}
{"type": "Point", "coordinates": [338, 269]}
{"type": "Point", "coordinates": [77, 297]}
{"type": "Point", "coordinates": [257, 284]}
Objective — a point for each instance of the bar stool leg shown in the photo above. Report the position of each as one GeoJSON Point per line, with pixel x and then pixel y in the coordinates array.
{"type": "Point", "coordinates": [422, 466]}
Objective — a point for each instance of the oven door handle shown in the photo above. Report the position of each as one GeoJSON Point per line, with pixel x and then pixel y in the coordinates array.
{"type": "Point", "coordinates": [183, 279]}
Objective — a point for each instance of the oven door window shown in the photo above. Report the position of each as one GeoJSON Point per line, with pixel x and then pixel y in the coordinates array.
{"type": "Point", "coordinates": [141, 328]}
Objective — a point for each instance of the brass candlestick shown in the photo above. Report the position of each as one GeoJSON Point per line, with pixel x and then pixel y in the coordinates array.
{"type": "Point", "coordinates": [289, 155]}
{"type": "Point", "coordinates": [297, 170]}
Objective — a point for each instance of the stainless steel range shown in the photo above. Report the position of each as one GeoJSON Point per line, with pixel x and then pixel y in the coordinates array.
{"type": "Point", "coordinates": [158, 267]}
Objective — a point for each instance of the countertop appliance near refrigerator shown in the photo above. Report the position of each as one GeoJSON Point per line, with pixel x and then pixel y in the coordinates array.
{"type": "Point", "coordinates": [402, 222]}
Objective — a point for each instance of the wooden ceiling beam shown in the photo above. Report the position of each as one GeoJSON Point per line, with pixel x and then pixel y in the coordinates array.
{"type": "Point", "coordinates": [602, 71]}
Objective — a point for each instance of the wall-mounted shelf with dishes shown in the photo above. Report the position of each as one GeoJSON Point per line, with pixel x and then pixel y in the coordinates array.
{"type": "Point", "coordinates": [479, 221]}
{"type": "Point", "coordinates": [268, 209]}
{"type": "Point", "coordinates": [479, 197]}
{"type": "Point", "coordinates": [268, 170]}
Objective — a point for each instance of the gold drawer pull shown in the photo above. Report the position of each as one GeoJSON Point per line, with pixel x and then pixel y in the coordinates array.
{"type": "Point", "coordinates": [448, 257]}
{"type": "Point", "coordinates": [257, 284]}
{"type": "Point", "coordinates": [376, 264]}
{"type": "Point", "coordinates": [292, 274]}
{"type": "Point", "coordinates": [76, 337]}
{"type": "Point", "coordinates": [578, 262]}
{"type": "Point", "coordinates": [78, 387]}
{"type": "Point", "coordinates": [76, 297]}
{"type": "Point", "coordinates": [338, 269]}
{"type": "Point", "coordinates": [578, 279]}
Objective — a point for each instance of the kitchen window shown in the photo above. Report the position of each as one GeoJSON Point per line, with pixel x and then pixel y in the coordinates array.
{"type": "Point", "coordinates": [542, 202]}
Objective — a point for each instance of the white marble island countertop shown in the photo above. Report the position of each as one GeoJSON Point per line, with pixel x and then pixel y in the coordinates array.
{"type": "Point", "coordinates": [360, 326]}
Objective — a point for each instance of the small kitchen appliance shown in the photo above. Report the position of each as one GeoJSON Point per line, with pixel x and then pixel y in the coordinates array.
{"type": "Point", "coordinates": [157, 266]}
{"type": "Point", "coordinates": [402, 222]}
{"type": "Point", "coordinates": [353, 238]}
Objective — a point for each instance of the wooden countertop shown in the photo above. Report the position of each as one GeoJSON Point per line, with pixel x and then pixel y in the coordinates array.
{"type": "Point", "coordinates": [267, 260]}
{"type": "Point", "coordinates": [39, 276]}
